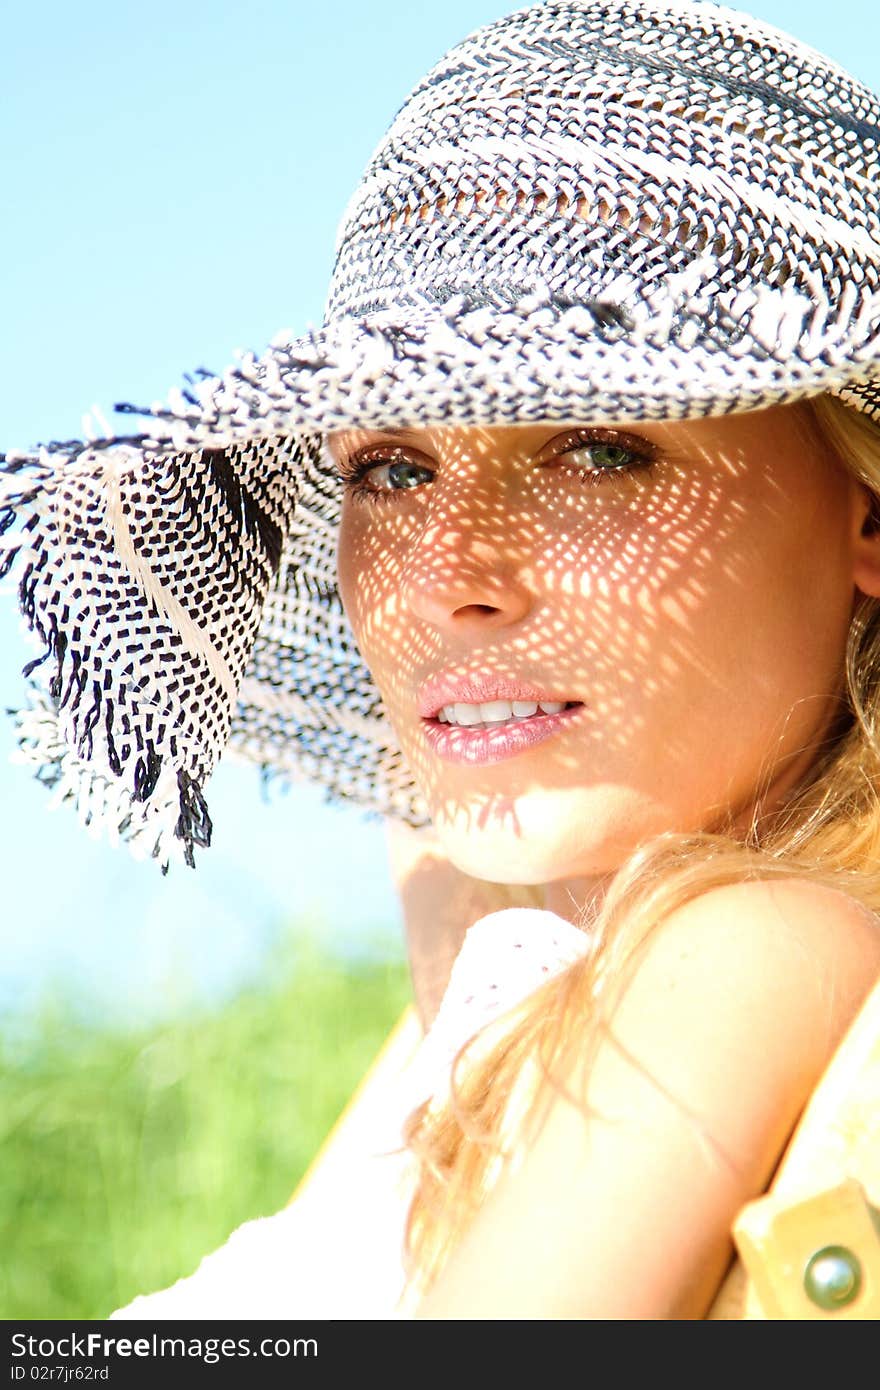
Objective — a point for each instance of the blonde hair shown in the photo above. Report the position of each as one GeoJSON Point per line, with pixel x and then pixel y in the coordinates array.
{"type": "Point", "coordinates": [828, 831]}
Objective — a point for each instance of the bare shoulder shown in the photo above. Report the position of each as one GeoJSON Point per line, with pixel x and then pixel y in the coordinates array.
{"type": "Point", "coordinates": [787, 901]}
{"type": "Point", "coordinates": [764, 977]}
{"type": "Point", "coordinates": [785, 933]}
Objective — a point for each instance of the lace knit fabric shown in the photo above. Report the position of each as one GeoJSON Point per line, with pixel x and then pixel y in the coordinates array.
{"type": "Point", "coordinates": [340, 1256]}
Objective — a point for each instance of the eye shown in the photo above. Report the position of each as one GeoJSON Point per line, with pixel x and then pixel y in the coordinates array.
{"type": "Point", "coordinates": [400, 474]}
{"type": "Point", "coordinates": [379, 473]}
{"type": "Point", "coordinates": [598, 453]}
{"type": "Point", "coordinates": [605, 455]}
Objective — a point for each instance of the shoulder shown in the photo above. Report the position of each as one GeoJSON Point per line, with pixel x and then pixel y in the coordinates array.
{"type": "Point", "coordinates": [738, 1000]}
{"type": "Point", "coordinates": [790, 943]}
{"type": "Point", "coordinates": [784, 901]}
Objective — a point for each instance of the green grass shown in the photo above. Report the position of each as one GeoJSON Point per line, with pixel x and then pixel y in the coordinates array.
{"type": "Point", "coordinates": [128, 1156]}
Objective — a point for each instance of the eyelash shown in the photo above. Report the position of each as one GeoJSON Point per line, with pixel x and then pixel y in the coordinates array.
{"type": "Point", "coordinates": [354, 470]}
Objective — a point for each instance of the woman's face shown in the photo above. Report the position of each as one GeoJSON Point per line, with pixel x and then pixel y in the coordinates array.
{"type": "Point", "coordinates": [687, 587]}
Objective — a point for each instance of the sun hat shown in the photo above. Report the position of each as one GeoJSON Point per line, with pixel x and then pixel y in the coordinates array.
{"type": "Point", "coordinates": [590, 209]}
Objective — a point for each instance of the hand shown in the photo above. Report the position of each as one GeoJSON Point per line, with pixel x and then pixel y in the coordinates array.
{"type": "Point", "coordinates": [439, 904]}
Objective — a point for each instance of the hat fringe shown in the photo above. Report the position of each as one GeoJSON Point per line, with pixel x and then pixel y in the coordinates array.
{"type": "Point", "coordinates": [131, 696]}
{"type": "Point", "coordinates": [164, 828]}
{"type": "Point", "coordinates": [56, 726]}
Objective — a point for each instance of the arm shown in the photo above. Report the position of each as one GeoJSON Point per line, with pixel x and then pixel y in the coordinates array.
{"type": "Point", "coordinates": [727, 1022]}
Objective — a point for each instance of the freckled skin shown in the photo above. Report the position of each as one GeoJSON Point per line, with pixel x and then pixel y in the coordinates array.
{"type": "Point", "coordinates": [697, 604]}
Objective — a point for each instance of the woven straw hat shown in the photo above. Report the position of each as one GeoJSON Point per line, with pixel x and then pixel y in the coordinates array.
{"type": "Point", "coordinates": [618, 209]}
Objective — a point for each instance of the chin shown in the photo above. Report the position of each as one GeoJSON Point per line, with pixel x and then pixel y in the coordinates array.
{"type": "Point", "coordinates": [545, 836]}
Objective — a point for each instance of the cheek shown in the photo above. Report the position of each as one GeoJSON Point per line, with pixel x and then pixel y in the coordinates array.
{"type": "Point", "coordinates": [369, 566]}
{"type": "Point", "coordinates": [627, 596]}
{"type": "Point", "coordinates": [350, 574]}
{"type": "Point", "coordinates": [707, 646]}
{"type": "Point", "coordinates": [347, 569]}
{"type": "Point", "coordinates": [726, 659]}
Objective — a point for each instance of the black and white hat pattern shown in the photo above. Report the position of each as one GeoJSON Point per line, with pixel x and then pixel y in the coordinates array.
{"type": "Point", "coordinates": [591, 209]}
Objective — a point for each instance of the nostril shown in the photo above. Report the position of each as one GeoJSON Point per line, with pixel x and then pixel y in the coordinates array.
{"type": "Point", "coordinates": [477, 608]}
{"type": "Point", "coordinates": [457, 603]}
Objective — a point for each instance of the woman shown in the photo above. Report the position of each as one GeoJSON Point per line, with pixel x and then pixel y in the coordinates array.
{"type": "Point", "coordinates": [591, 431]}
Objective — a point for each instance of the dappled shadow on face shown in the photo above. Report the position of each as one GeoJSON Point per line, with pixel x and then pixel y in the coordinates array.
{"type": "Point", "coordinates": [687, 584]}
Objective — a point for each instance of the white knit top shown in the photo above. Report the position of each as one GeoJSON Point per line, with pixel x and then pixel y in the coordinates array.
{"type": "Point", "coordinates": [336, 1251]}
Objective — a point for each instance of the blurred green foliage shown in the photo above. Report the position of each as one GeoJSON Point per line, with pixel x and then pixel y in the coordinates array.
{"type": "Point", "coordinates": [128, 1156]}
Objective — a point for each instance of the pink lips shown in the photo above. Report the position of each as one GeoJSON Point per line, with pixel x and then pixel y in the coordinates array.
{"type": "Point", "coordinates": [456, 743]}
{"type": "Point", "coordinates": [479, 690]}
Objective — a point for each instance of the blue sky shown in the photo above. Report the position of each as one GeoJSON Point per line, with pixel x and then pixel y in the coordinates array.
{"type": "Point", "coordinates": [173, 178]}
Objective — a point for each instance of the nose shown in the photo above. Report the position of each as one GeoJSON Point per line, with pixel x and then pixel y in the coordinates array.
{"type": "Point", "coordinates": [464, 585]}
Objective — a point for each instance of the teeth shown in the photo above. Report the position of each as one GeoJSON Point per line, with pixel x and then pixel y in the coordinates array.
{"type": "Point", "coordinates": [523, 708]}
{"type": "Point", "coordinates": [467, 714]}
{"type": "Point", "coordinates": [496, 711]}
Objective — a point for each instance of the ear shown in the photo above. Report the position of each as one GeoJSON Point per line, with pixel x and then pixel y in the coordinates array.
{"type": "Point", "coordinates": [866, 570]}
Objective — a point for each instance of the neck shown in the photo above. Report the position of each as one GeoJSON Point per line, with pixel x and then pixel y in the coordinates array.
{"type": "Point", "coordinates": [578, 900]}
{"type": "Point", "coordinates": [439, 903]}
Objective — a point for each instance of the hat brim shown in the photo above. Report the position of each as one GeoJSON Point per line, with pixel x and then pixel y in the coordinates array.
{"type": "Point", "coordinates": [663, 355]}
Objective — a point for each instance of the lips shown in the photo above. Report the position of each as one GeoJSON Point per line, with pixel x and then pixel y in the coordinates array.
{"type": "Point", "coordinates": [485, 744]}
{"type": "Point", "coordinates": [480, 690]}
